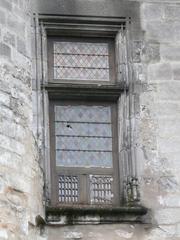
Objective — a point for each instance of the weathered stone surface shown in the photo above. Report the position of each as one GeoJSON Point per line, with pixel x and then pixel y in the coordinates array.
{"type": "Point", "coordinates": [168, 91]}
{"type": "Point", "coordinates": [106, 232]}
{"type": "Point", "coordinates": [6, 4]}
{"type": "Point", "coordinates": [168, 216]}
{"type": "Point", "coordinates": [155, 115]}
{"type": "Point", "coordinates": [170, 52]}
{"type": "Point", "coordinates": [170, 200]}
{"type": "Point", "coordinates": [168, 184]}
{"type": "Point", "coordinates": [5, 50]}
{"type": "Point", "coordinates": [9, 39]}
{"type": "Point", "coordinates": [20, 200]}
{"type": "Point", "coordinates": [172, 12]}
{"type": "Point", "coordinates": [3, 234]}
{"type": "Point", "coordinates": [167, 113]}
{"type": "Point", "coordinates": [176, 71]}
{"type": "Point", "coordinates": [152, 11]}
{"type": "Point", "coordinates": [21, 47]}
{"type": "Point", "coordinates": [160, 71]}
{"type": "Point", "coordinates": [151, 52]}
{"type": "Point", "coordinates": [159, 31]}
{"type": "Point", "coordinates": [2, 17]}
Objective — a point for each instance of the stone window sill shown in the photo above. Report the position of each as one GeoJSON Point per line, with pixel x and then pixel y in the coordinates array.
{"type": "Point", "coordinates": [95, 215]}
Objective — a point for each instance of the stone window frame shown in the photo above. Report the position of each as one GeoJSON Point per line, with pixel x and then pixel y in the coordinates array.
{"type": "Point", "coordinates": [118, 28]}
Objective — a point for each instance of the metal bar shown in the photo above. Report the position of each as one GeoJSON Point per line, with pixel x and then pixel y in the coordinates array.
{"type": "Point", "coordinates": [83, 122]}
{"type": "Point", "coordinates": [75, 150]}
{"type": "Point", "coordinates": [78, 136]}
{"type": "Point", "coordinates": [81, 54]}
{"type": "Point", "coordinates": [80, 67]}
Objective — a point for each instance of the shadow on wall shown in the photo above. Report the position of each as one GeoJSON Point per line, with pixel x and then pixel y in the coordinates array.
{"type": "Point", "coordinates": [88, 7]}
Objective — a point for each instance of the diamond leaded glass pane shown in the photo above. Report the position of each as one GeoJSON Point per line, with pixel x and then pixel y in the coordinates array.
{"type": "Point", "coordinates": [83, 136]}
{"type": "Point", "coordinates": [81, 61]}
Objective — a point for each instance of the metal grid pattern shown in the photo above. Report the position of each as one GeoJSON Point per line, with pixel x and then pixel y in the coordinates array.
{"type": "Point", "coordinates": [68, 189]}
{"type": "Point", "coordinates": [83, 136]}
{"type": "Point", "coordinates": [101, 189]}
{"type": "Point", "coordinates": [81, 61]}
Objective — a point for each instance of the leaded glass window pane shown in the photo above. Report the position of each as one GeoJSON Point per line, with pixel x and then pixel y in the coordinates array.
{"type": "Point", "coordinates": [81, 61]}
{"type": "Point", "coordinates": [83, 136]}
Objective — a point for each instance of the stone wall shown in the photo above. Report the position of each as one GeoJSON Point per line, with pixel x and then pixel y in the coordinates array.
{"type": "Point", "coordinates": [156, 135]}
{"type": "Point", "coordinates": [156, 115]}
{"type": "Point", "coordinates": [159, 129]}
{"type": "Point", "coordinates": [20, 176]}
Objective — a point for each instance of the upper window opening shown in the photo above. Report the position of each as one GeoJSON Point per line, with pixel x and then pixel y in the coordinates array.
{"type": "Point", "coordinates": [82, 60]}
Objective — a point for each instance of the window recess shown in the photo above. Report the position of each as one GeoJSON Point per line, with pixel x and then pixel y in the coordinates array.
{"type": "Point", "coordinates": [89, 166]}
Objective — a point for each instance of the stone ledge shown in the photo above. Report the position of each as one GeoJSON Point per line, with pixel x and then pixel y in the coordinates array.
{"type": "Point", "coordinates": [86, 91]}
{"type": "Point", "coordinates": [94, 215]}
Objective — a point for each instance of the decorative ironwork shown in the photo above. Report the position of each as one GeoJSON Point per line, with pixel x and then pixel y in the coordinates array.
{"type": "Point", "coordinates": [68, 189]}
{"type": "Point", "coordinates": [83, 136]}
{"type": "Point", "coordinates": [81, 61]}
{"type": "Point", "coordinates": [101, 189]}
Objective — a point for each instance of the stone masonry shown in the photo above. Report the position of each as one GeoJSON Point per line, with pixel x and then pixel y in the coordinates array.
{"type": "Point", "coordinates": [156, 135]}
{"type": "Point", "coordinates": [20, 176]}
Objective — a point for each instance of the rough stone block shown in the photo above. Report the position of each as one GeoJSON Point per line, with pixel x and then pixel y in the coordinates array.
{"type": "Point", "coordinates": [6, 113]}
{"type": "Point", "coordinates": [168, 184]}
{"type": "Point", "coordinates": [176, 71]}
{"type": "Point", "coordinates": [21, 46]}
{"type": "Point", "coordinates": [164, 232]}
{"type": "Point", "coordinates": [168, 216]}
{"type": "Point", "coordinates": [151, 52]}
{"type": "Point", "coordinates": [152, 11]}
{"type": "Point", "coordinates": [2, 17]}
{"type": "Point", "coordinates": [137, 51]}
{"type": "Point", "coordinates": [4, 99]}
{"type": "Point", "coordinates": [168, 128]}
{"type": "Point", "coordinates": [2, 185]}
{"type": "Point", "coordinates": [178, 230]}
{"type": "Point", "coordinates": [9, 38]}
{"type": "Point", "coordinates": [16, 25]}
{"type": "Point", "coordinates": [168, 113]}
{"type": "Point", "coordinates": [172, 12]}
{"type": "Point", "coordinates": [170, 144]}
{"type": "Point", "coordinates": [9, 159]}
{"type": "Point", "coordinates": [5, 50]}
{"type": "Point", "coordinates": [168, 91]}
{"type": "Point", "coordinates": [160, 71]}
{"type": "Point", "coordinates": [125, 234]}
{"type": "Point", "coordinates": [176, 27]}
{"type": "Point", "coordinates": [11, 145]}
{"type": "Point", "coordinates": [170, 200]}
{"type": "Point", "coordinates": [3, 234]}
{"type": "Point", "coordinates": [170, 52]}
{"type": "Point", "coordinates": [6, 4]}
{"type": "Point", "coordinates": [173, 159]}
{"type": "Point", "coordinates": [73, 235]}
{"type": "Point", "coordinates": [159, 31]}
